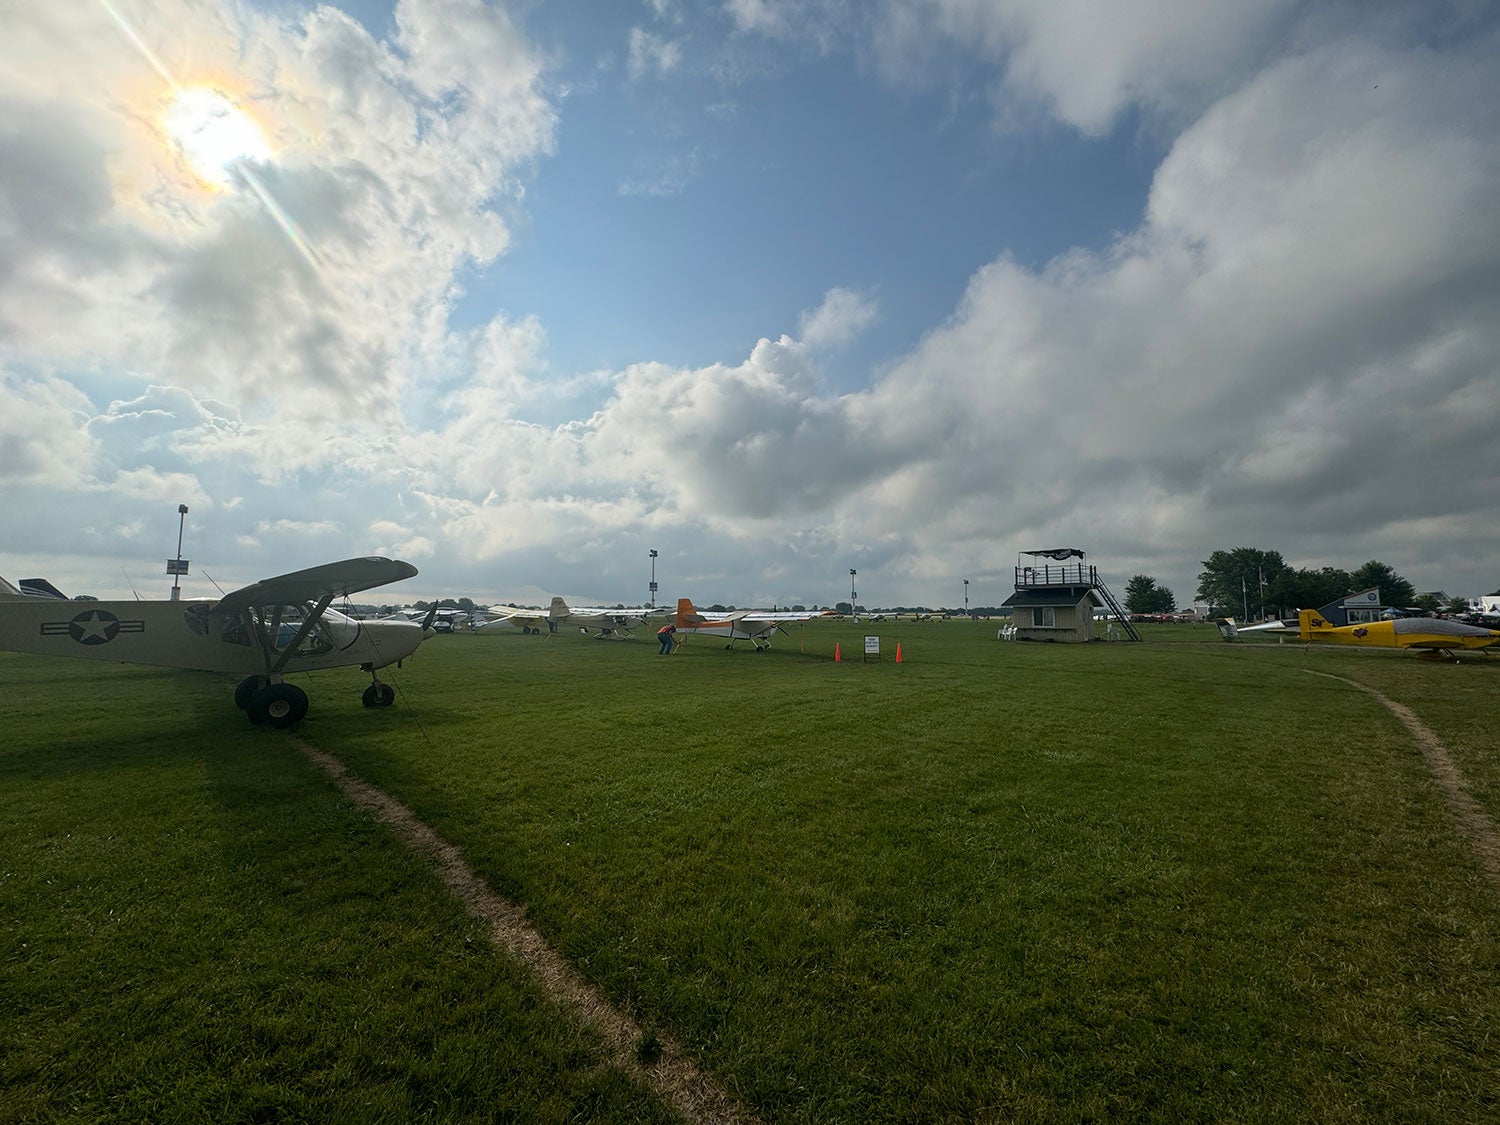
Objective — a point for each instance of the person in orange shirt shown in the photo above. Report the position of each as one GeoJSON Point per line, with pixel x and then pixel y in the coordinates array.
{"type": "Point", "coordinates": [667, 636]}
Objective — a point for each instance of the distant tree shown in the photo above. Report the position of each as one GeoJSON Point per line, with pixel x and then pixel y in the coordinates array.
{"type": "Point", "coordinates": [1143, 595]}
{"type": "Point", "coordinates": [1394, 590]}
{"type": "Point", "coordinates": [1427, 603]}
{"type": "Point", "coordinates": [799, 609]}
{"type": "Point", "coordinates": [1457, 605]}
{"type": "Point", "coordinates": [1308, 589]}
{"type": "Point", "coordinates": [1231, 580]}
{"type": "Point", "coordinates": [843, 607]}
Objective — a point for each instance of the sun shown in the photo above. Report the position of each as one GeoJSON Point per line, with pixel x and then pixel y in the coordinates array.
{"type": "Point", "coordinates": [213, 134]}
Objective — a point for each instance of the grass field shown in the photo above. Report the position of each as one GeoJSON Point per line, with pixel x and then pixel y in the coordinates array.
{"type": "Point", "coordinates": [1178, 880]}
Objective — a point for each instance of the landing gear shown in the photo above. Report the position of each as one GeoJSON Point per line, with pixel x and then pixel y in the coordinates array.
{"type": "Point", "coordinates": [379, 695]}
{"type": "Point", "coordinates": [276, 705]}
{"type": "Point", "coordinates": [246, 691]}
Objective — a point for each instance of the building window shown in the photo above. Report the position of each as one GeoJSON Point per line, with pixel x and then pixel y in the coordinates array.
{"type": "Point", "coordinates": [1043, 617]}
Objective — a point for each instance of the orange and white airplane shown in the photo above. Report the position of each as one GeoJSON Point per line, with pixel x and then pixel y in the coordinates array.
{"type": "Point", "coordinates": [265, 631]}
{"type": "Point", "coordinates": [754, 625]}
{"type": "Point", "coordinates": [1433, 635]}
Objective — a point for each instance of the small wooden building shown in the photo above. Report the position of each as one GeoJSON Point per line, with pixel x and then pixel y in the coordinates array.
{"type": "Point", "coordinates": [1057, 602]}
{"type": "Point", "coordinates": [1062, 613]}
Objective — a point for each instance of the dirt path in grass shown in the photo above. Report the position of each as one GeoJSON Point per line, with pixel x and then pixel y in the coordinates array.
{"type": "Point", "coordinates": [1473, 821]}
{"type": "Point", "coordinates": [693, 1094]}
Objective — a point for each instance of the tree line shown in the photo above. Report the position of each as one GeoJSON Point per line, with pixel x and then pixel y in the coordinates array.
{"type": "Point", "coordinates": [1255, 583]}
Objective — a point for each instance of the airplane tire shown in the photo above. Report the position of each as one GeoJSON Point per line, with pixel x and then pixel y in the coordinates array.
{"type": "Point", "coordinates": [278, 705]}
{"type": "Point", "coordinates": [379, 695]}
{"type": "Point", "coordinates": [246, 691]}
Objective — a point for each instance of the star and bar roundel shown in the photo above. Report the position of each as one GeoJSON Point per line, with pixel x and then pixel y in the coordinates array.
{"type": "Point", "coordinates": [92, 627]}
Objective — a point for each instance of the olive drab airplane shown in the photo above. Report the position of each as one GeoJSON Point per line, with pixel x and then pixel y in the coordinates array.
{"type": "Point", "coordinates": [266, 630]}
{"type": "Point", "coordinates": [754, 625]}
{"type": "Point", "coordinates": [610, 623]}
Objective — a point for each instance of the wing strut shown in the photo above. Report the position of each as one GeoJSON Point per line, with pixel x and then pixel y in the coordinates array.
{"type": "Point", "coordinates": [308, 624]}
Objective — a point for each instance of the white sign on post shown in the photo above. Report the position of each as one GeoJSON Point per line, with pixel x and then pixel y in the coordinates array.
{"type": "Point", "coordinates": [872, 647]}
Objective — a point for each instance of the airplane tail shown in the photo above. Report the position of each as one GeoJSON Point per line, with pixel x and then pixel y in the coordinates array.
{"type": "Point", "coordinates": [687, 613]}
{"type": "Point", "coordinates": [559, 610]}
{"type": "Point", "coordinates": [1310, 623]}
{"type": "Point", "coordinates": [41, 588]}
{"type": "Point", "coordinates": [9, 593]}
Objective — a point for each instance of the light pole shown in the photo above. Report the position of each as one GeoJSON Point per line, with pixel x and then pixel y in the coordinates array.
{"type": "Point", "coordinates": [176, 567]}
{"type": "Point", "coordinates": [653, 577]}
{"type": "Point", "coordinates": [966, 597]}
{"type": "Point", "coordinates": [853, 597]}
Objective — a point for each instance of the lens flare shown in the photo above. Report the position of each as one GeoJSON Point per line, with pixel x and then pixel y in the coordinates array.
{"type": "Point", "coordinates": [213, 134]}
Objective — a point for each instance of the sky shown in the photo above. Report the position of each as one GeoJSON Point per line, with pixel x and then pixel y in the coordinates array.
{"type": "Point", "coordinates": [520, 292]}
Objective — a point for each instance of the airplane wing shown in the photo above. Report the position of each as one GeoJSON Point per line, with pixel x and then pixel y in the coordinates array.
{"type": "Point", "coordinates": [770, 618]}
{"type": "Point", "coordinates": [506, 613]}
{"type": "Point", "coordinates": [331, 580]}
{"type": "Point", "coordinates": [755, 621]}
{"type": "Point", "coordinates": [1268, 627]}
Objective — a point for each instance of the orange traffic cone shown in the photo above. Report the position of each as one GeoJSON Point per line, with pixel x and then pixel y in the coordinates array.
{"type": "Point", "coordinates": [838, 657]}
{"type": "Point", "coordinates": [898, 652]}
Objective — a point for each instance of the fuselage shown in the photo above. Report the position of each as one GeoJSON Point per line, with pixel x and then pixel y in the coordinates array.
{"type": "Point", "coordinates": [1403, 632]}
{"type": "Point", "coordinates": [191, 635]}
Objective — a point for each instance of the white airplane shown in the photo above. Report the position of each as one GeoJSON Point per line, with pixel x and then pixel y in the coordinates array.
{"type": "Point", "coordinates": [438, 620]}
{"type": "Point", "coordinates": [267, 630]}
{"type": "Point", "coordinates": [1229, 628]}
{"type": "Point", "coordinates": [754, 625]}
{"type": "Point", "coordinates": [610, 623]}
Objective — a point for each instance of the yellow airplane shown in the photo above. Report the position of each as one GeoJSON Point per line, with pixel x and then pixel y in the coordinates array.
{"type": "Point", "coordinates": [1430, 634]}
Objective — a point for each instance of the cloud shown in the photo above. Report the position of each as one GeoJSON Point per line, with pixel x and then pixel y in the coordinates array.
{"type": "Point", "coordinates": [1085, 64]}
{"type": "Point", "coordinates": [117, 251]}
{"type": "Point", "coordinates": [158, 487]}
{"type": "Point", "coordinates": [1295, 345]}
{"type": "Point", "coordinates": [42, 439]}
{"type": "Point", "coordinates": [651, 55]}
{"type": "Point", "coordinates": [671, 176]}
{"type": "Point", "coordinates": [842, 316]}
{"type": "Point", "coordinates": [1302, 311]}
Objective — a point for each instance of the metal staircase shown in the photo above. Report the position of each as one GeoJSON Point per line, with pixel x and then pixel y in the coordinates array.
{"type": "Point", "coordinates": [1114, 606]}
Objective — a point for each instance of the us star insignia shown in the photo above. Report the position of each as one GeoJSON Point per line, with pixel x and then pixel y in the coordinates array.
{"type": "Point", "coordinates": [92, 627]}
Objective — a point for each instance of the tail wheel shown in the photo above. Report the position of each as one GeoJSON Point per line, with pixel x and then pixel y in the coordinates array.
{"type": "Point", "coordinates": [278, 705]}
{"type": "Point", "coordinates": [379, 695]}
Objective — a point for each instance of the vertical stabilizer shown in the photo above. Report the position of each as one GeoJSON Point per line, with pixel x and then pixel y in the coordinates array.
{"type": "Point", "coordinates": [687, 614]}
{"type": "Point", "coordinates": [1311, 623]}
{"type": "Point", "coordinates": [9, 593]}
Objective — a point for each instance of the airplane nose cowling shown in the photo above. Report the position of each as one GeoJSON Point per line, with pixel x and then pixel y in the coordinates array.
{"type": "Point", "coordinates": [395, 640]}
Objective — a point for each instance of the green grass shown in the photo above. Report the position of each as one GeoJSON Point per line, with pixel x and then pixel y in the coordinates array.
{"type": "Point", "coordinates": [997, 881]}
{"type": "Point", "coordinates": [198, 927]}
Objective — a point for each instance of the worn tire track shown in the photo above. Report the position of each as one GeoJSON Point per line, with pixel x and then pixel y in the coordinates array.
{"type": "Point", "coordinates": [1476, 825]}
{"type": "Point", "coordinates": [675, 1077]}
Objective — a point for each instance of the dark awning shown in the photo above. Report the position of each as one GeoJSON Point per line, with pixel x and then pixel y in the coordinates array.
{"type": "Point", "coordinates": [1054, 596]}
